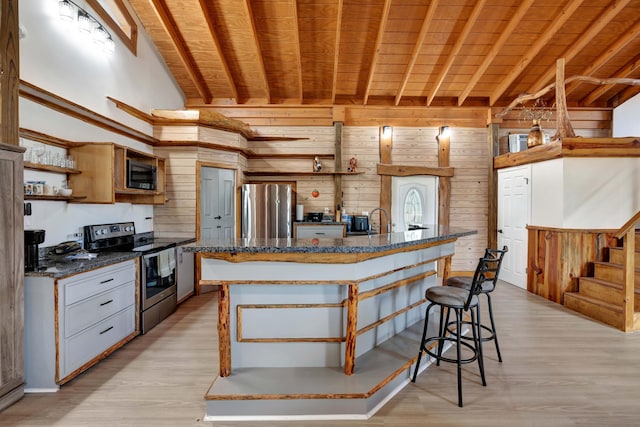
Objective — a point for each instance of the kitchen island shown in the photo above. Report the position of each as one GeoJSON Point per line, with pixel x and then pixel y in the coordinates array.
{"type": "Point", "coordinates": [322, 327]}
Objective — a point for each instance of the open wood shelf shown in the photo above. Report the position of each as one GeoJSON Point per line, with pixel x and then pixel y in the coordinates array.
{"type": "Point", "coordinates": [276, 173]}
{"type": "Point", "coordinates": [253, 155]}
{"type": "Point", "coordinates": [52, 197]}
{"type": "Point", "coordinates": [49, 168]}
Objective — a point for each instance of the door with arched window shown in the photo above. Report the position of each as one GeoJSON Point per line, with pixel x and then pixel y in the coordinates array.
{"type": "Point", "coordinates": [414, 202]}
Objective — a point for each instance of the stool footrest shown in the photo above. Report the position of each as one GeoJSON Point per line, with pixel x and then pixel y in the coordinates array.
{"type": "Point", "coordinates": [440, 357]}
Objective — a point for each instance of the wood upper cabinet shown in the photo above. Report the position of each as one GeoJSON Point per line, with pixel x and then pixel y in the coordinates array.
{"type": "Point", "coordinates": [104, 169]}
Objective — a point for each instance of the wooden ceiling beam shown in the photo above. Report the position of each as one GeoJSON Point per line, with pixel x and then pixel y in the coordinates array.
{"type": "Point", "coordinates": [426, 24]}
{"type": "Point", "coordinates": [625, 95]}
{"type": "Point", "coordinates": [216, 41]}
{"type": "Point", "coordinates": [505, 34]}
{"type": "Point", "coordinates": [611, 52]}
{"type": "Point", "coordinates": [587, 37]}
{"type": "Point", "coordinates": [376, 52]}
{"type": "Point", "coordinates": [179, 44]}
{"type": "Point", "coordinates": [336, 53]}
{"type": "Point", "coordinates": [547, 35]}
{"type": "Point", "coordinates": [294, 8]}
{"type": "Point", "coordinates": [256, 44]}
{"type": "Point", "coordinates": [475, 14]}
{"type": "Point", "coordinates": [624, 72]}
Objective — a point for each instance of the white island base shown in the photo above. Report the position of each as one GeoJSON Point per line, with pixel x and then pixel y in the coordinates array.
{"type": "Point", "coordinates": [318, 335]}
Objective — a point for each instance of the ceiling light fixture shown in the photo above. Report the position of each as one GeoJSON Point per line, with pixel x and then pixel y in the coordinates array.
{"type": "Point", "coordinates": [86, 23]}
{"type": "Point", "coordinates": [445, 131]}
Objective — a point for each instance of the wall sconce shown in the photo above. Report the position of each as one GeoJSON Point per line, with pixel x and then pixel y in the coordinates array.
{"type": "Point", "coordinates": [386, 131]}
{"type": "Point", "coordinates": [445, 131]}
{"type": "Point", "coordinates": [86, 23]}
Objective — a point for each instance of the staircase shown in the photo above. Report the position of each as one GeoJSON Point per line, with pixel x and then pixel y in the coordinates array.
{"type": "Point", "coordinates": [602, 296]}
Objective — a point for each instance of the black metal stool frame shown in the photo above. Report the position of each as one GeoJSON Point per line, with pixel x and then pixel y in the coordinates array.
{"type": "Point", "coordinates": [470, 305]}
{"type": "Point", "coordinates": [497, 256]}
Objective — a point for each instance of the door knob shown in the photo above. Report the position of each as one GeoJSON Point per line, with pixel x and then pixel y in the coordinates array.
{"type": "Point", "coordinates": [217, 217]}
{"type": "Point", "coordinates": [500, 230]}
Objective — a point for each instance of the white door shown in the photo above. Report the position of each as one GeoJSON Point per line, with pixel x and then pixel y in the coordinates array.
{"type": "Point", "coordinates": [217, 203]}
{"type": "Point", "coordinates": [514, 213]}
{"type": "Point", "coordinates": [414, 201]}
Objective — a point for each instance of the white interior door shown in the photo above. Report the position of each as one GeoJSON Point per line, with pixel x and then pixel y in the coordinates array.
{"type": "Point", "coordinates": [514, 213]}
{"type": "Point", "coordinates": [217, 203]}
{"type": "Point", "coordinates": [414, 201]}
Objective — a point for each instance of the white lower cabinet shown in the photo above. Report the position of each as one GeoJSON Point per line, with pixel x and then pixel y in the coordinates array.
{"type": "Point", "coordinates": [95, 314]}
{"type": "Point", "coordinates": [185, 273]}
{"type": "Point", "coordinates": [308, 231]}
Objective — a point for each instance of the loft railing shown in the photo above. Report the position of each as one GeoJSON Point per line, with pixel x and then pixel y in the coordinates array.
{"type": "Point", "coordinates": [627, 233]}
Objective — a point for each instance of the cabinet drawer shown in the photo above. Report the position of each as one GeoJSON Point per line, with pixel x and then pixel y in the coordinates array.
{"type": "Point", "coordinates": [91, 283]}
{"type": "Point", "coordinates": [85, 313]}
{"type": "Point", "coordinates": [90, 343]}
{"type": "Point", "coordinates": [309, 231]}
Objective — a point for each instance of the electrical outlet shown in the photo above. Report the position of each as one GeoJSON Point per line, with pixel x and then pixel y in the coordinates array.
{"type": "Point", "coordinates": [27, 209]}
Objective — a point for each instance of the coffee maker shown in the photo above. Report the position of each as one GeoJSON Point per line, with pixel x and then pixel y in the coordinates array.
{"type": "Point", "coordinates": [32, 238]}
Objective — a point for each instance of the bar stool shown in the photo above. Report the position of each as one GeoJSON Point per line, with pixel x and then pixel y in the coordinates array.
{"type": "Point", "coordinates": [448, 298]}
{"type": "Point", "coordinates": [464, 282]}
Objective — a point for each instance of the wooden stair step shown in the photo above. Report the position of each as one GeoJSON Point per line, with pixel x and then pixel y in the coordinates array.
{"type": "Point", "coordinates": [616, 255]}
{"type": "Point", "coordinates": [608, 292]}
{"type": "Point", "coordinates": [612, 272]}
{"type": "Point", "coordinates": [604, 312]}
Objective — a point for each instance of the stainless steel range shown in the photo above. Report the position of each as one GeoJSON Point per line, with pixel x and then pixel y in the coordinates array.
{"type": "Point", "coordinates": [157, 266]}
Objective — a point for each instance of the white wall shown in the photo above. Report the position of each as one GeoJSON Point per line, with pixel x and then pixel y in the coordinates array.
{"type": "Point", "coordinates": [585, 193]}
{"type": "Point", "coordinates": [626, 118]}
{"type": "Point", "coordinates": [56, 58]}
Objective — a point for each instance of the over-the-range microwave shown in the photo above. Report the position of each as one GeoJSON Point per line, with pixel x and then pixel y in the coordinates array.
{"type": "Point", "coordinates": [141, 175]}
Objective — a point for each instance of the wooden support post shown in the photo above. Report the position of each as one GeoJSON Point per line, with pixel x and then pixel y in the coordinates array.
{"type": "Point", "coordinates": [224, 335]}
{"type": "Point", "coordinates": [628, 308]}
{"type": "Point", "coordinates": [337, 198]}
{"type": "Point", "coordinates": [9, 72]}
{"type": "Point", "coordinates": [352, 330]}
{"type": "Point", "coordinates": [492, 219]}
{"type": "Point", "coordinates": [444, 193]}
{"type": "Point", "coordinates": [386, 145]}
{"type": "Point", "coordinates": [563, 125]}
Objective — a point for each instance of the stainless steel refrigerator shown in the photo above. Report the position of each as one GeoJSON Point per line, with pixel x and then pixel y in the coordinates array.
{"type": "Point", "coordinates": [267, 211]}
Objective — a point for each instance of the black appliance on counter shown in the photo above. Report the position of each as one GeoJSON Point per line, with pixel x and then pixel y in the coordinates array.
{"type": "Point", "coordinates": [360, 223]}
{"type": "Point", "coordinates": [158, 278]}
{"type": "Point", "coordinates": [32, 240]}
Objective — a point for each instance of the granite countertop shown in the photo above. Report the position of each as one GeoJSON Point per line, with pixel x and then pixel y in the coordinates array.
{"type": "Point", "coordinates": [57, 266]}
{"type": "Point", "coordinates": [350, 244]}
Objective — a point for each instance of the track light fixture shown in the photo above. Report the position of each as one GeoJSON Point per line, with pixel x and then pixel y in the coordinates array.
{"type": "Point", "coordinates": [86, 23]}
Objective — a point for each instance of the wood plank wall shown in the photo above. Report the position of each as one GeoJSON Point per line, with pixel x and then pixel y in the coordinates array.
{"type": "Point", "coordinates": [177, 217]}
{"type": "Point", "coordinates": [557, 258]}
{"type": "Point", "coordinates": [412, 145]}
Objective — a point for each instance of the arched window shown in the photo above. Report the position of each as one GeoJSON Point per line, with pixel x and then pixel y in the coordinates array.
{"type": "Point", "coordinates": [413, 207]}
{"type": "Point", "coordinates": [117, 17]}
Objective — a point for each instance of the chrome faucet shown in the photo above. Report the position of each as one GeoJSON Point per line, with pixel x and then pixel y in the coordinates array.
{"type": "Point", "coordinates": [386, 216]}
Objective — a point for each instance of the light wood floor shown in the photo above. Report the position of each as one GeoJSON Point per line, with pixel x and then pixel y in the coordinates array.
{"type": "Point", "coordinates": [559, 369]}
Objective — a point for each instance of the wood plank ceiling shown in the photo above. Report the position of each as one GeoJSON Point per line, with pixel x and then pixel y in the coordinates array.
{"type": "Point", "coordinates": [393, 52]}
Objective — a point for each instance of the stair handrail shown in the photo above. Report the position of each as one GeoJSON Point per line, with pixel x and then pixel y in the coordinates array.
{"type": "Point", "coordinates": [627, 226]}
{"type": "Point", "coordinates": [629, 248]}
